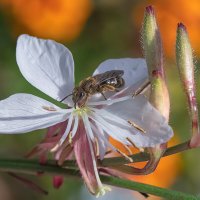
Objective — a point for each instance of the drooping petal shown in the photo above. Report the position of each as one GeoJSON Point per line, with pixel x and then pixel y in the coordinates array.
{"type": "Point", "coordinates": [84, 159]}
{"type": "Point", "coordinates": [135, 69]}
{"type": "Point", "coordinates": [148, 127]}
{"type": "Point", "coordinates": [22, 113]}
{"type": "Point", "coordinates": [47, 65]}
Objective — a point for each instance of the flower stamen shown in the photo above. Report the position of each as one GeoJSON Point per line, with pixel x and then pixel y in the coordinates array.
{"type": "Point", "coordinates": [81, 111]}
{"type": "Point", "coordinates": [102, 190]}
{"type": "Point", "coordinates": [132, 143]}
{"type": "Point", "coordinates": [70, 137]}
{"type": "Point", "coordinates": [64, 136]}
{"type": "Point", "coordinates": [97, 147]}
{"type": "Point", "coordinates": [128, 149]}
{"type": "Point", "coordinates": [136, 126]}
{"type": "Point", "coordinates": [49, 108]}
{"type": "Point", "coordinates": [124, 155]}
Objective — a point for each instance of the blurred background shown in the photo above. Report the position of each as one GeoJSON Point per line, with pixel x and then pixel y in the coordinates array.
{"type": "Point", "coordinates": [95, 30]}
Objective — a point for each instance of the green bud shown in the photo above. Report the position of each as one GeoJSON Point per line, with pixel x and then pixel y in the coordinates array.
{"type": "Point", "coordinates": [153, 52]}
{"type": "Point", "coordinates": [159, 96]}
{"type": "Point", "coordinates": [151, 40]}
{"type": "Point", "coordinates": [184, 59]}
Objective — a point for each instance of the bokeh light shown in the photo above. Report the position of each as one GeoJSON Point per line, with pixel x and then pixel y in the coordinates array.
{"type": "Point", "coordinates": [95, 31]}
{"type": "Point", "coordinates": [61, 20]}
{"type": "Point", "coordinates": [169, 13]}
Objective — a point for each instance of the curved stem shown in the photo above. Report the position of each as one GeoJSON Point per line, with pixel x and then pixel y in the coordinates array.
{"type": "Point", "coordinates": [143, 156]}
{"type": "Point", "coordinates": [33, 167]}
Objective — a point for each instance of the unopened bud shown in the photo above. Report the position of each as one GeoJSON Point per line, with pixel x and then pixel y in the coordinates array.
{"type": "Point", "coordinates": [57, 181]}
{"type": "Point", "coordinates": [151, 40]}
{"type": "Point", "coordinates": [184, 59]}
{"type": "Point", "coordinates": [159, 96]}
{"type": "Point", "coordinates": [153, 52]}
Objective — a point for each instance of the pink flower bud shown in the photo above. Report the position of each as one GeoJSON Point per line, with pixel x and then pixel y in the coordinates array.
{"type": "Point", "coordinates": [57, 181]}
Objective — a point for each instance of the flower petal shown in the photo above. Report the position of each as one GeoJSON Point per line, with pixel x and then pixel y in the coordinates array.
{"type": "Point", "coordinates": [135, 69]}
{"type": "Point", "coordinates": [22, 113]}
{"type": "Point", "coordinates": [85, 160]}
{"type": "Point", "coordinates": [150, 127]}
{"type": "Point", "coordinates": [47, 65]}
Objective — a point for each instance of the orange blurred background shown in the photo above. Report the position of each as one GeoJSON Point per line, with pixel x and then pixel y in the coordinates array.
{"type": "Point", "coordinates": [95, 31]}
{"type": "Point", "coordinates": [60, 20]}
{"type": "Point", "coordinates": [169, 13]}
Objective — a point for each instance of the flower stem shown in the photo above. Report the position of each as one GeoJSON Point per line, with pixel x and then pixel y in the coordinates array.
{"type": "Point", "coordinates": [33, 167]}
{"type": "Point", "coordinates": [143, 156]}
{"type": "Point", "coordinates": [149, 189]}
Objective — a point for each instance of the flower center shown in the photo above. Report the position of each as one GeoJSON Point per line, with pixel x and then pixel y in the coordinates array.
{"type": "Point", "coordinates": [81, 111]}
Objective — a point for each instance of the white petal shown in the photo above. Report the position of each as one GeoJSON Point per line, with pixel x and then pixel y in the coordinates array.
{"type": "Point", "coordinates": [146, 117]}
{"type": "Point", "coordinates": [89, 133]}
{"type": "Point", "coordinates": [67, 131]}
{"type": "Point", "coordinates": [101, 139]}
{"type": "Point", "coordinates": [135, 69]}
{"type": "Point", "coordinates": [108, 102]}
{"type": "Point", "coordinates": [75, 128]}
{"type": "Point", "coordinates": [47, 65]}
{"type": "Point", "coordinates": [22, 113]}
{"type": "Point", "coordinates": [118, 133]}
{"type": "Point", "coordinates": [88, 128]}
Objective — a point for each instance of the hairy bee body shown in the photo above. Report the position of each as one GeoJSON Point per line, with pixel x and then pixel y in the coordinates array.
{"type": "Point", "coordinates": [100, 83]}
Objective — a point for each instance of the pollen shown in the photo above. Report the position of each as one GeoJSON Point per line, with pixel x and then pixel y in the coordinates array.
{"type": "Point", "coordinates": [81, 111]}
{"type": "Point", "coordinates": [102, 190]}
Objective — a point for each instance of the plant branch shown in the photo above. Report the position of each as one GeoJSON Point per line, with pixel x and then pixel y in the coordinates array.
{"type": "Point", "coordinates": [33, 167]}
{"type": "Point", "coordinates": [143, 156]}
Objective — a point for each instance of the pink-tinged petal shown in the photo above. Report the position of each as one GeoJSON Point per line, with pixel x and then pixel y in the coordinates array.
{"type": "Point", "coordinates": [21, 113]}
{"type": "Point", "coordinates": [58, 181]}
{"type": "Point", "coordinates": [147, 126]}
{"type": "Point", "coordinates": [52, 137]}
{"type": "Point", "coordinates": [47, 65]}
{"type": "Point", "coordinates": [84, 159]}
{"type": "Point", "coordinates": [57, 129]}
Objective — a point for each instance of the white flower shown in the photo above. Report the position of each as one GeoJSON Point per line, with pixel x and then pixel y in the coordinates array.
{"type": "Point", "coordinates": [49, 66]}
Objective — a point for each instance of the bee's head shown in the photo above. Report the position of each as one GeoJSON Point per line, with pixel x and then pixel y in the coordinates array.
{"type": "Point", "coordinates": [79, 97]}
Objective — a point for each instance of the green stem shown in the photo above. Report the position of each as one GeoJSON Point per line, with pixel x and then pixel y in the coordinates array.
{"type": "Point", "coordinates": [149, 189]}
{"type": "Point", "coordinates": [139, 157]}
{"type": "Point", "coordinates": [143, 156]}
{"type": "Point", "coordinates": [33, 167]}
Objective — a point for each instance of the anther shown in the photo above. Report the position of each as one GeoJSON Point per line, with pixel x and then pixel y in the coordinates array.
{"type": "Point", "coordinates": [136, 126]}
{"type": "Point", "coordinates": [123, 154]}
{"type": "Point", "coordinates": [49, 108]}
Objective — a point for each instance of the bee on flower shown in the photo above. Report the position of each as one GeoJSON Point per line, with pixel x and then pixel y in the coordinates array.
{"type": "Point", "coordinates": [82, 129]}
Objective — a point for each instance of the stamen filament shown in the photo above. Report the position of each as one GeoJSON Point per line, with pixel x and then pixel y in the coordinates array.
{"type": "Point", "coordinates": [64, 136]}
{"type": "Point", "coordinates": [88, 131]}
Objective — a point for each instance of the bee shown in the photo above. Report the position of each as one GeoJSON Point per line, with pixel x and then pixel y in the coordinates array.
{"type": "Point", "coordinates": [100, 83]}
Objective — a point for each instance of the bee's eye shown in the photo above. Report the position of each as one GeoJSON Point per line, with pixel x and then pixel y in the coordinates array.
{"type": "Point", "coordinates": [81, 94]}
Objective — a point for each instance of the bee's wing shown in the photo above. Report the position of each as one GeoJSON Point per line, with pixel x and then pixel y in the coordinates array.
{"type": "Point", "coordinates": [102, 78]}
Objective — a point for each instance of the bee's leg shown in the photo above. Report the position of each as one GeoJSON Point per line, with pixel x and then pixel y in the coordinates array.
{"type": "Point", "coordinates": [116, 90]}
{"type": "Point", "coordinates": [142, 89]}
{"type": "Point", "coordinates": [103, 95]}
{"type": "Point", "coordinates": [109, 88]}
